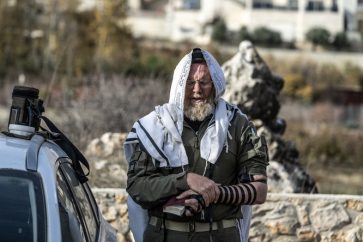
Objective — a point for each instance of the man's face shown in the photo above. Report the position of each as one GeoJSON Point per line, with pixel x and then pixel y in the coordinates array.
{"type": "Point", "coordinates": [199, 86]}
{"type": "Point", "coordinates": [198, 102]}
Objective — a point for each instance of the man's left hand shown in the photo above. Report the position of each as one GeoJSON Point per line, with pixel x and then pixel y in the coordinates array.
{"type": "Point", "coordinates": [204, 186]}
{"type": "Point", "coordinates": [191, 203]}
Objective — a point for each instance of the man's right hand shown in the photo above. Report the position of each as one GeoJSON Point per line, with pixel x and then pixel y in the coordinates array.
{"type": "Point", "coordinates": [204, 186]}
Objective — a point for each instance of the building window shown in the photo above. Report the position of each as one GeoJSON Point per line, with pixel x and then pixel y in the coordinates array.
{"type": "Point", "coordinates": [191, 4]}
{"type": "Point", "coordinates": [262, 4]}
{"type": "Point", "coordinates": [360, 26]}
{"type": "Point", "coordinates": [293, 4]}
{"type": "Point", "coordinates": [315, 6]}
{"type": "Point", "coordinates": [334, 6]}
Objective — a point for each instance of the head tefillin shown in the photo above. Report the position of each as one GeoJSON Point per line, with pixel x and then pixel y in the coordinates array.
{"type": "Point", "coordinates": [197, 56]}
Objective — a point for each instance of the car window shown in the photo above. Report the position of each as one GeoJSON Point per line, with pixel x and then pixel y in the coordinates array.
{"type": "Point", "coordinates": [71, 225]}
{"type": "Point", "coordinates": [92, 201]}
{"type": "Point", "coordinates": [83, 200]}
{"type": "Point", "coordinates": [22, 207]}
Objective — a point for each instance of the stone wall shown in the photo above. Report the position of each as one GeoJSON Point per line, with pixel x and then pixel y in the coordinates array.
{"type": "Point", "coordinates": [284, 217]}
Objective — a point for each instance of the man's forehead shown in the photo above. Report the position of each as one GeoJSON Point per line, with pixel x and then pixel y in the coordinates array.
{"type": "Point", "coordinates": [201, 67]}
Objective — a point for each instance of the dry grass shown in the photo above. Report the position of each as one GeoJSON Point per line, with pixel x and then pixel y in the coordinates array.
{"type": "Point", "coordinates": [111, 105]}
{"type": "Point", "coordinates": [330, 152]}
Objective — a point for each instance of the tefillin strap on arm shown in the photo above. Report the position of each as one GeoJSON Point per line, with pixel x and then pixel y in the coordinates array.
{"type": "Point", "coordinates": [242, 193]}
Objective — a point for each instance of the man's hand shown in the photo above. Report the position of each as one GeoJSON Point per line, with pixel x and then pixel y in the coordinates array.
{"type": "Point", "coordinates": [192, 203]}
{"type": "Point", "coordinates": [204, 186]}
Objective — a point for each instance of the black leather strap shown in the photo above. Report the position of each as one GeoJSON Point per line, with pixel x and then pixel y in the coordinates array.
{"type": "Point", "coordinates": [71, 150]}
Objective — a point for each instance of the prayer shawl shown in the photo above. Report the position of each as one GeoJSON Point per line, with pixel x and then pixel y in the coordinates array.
{"type": "Point", "coordinates": [160, 131]}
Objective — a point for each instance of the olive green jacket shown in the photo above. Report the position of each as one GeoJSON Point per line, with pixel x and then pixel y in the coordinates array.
{"type": "Point", "coordinates": [246, 154]}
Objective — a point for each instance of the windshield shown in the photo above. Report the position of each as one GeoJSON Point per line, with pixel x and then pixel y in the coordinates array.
{"type": "Point", "coordinates": [22, 215]}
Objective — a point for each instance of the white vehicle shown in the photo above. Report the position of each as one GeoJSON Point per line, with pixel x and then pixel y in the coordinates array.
{"type": "Point", "coordinates": [44, 196]}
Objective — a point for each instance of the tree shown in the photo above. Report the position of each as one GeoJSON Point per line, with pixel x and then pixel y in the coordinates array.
{"type": "Point", "coordinates": [20, 37]}
{"type": "Point", "coordinates": [220, 32]}
{"type": "Point", "coordinates": [318, 36]}
{"type": "Point", "coordinates": [267, 37]}
{"type": "Point", "coordinates": [59, 38]}
{"type": "Point", "coordinates": [244, 34]}
{"type": "Point", "coordinates": [341, 41]}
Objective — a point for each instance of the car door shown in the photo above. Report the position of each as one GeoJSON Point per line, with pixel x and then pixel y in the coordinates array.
{"type": "Point", "coordinates": [78, 210]}
{"type": "Point", "coordinates": [22, 207]}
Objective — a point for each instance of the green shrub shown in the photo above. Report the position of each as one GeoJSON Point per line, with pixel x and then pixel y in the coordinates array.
{"type": "Point", "coordinates": [353, 74]}
{"type": "Point", "coordinates": [219, 32]}
{"type": "Point", "coordinates": [296, 87]}
{"type": "Point", "coordinates": [341, 41]}
{"type": "Point", "coordinates": [244, 34]}
{"type": "Point", "coordinates": [267, 37]}
{"type": "Point", "coordinates": [318, 36]}
{"type": "Point", "coordinates": [328, 76]}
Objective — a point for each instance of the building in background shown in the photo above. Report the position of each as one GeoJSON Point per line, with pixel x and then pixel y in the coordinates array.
{"type": "Point", "coordinates": [179, 20]}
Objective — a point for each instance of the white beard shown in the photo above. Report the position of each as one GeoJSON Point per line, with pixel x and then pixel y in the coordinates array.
{"type": "Point", "coordinates": [199, 111]}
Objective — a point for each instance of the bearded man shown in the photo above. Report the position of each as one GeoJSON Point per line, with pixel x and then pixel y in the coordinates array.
{"type": "Point", "coordinates": [194, 161]}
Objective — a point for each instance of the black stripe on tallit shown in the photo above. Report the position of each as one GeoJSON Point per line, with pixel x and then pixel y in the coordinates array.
{"type": "Point", "coordinates": [131, 139]}
{"type": "Point", "coordinates": [153, 143]}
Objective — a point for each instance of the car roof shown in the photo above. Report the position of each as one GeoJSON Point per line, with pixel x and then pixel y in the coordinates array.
{"type": "Point", "coordinates": [13, 152]}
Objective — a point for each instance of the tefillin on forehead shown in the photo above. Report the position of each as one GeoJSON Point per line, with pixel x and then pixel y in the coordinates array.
{"type": "Point", "coordinates": [197, 56]}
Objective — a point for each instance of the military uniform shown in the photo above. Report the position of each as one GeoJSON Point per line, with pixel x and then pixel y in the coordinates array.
{"type": "Point", "coordinates": [151, 186]}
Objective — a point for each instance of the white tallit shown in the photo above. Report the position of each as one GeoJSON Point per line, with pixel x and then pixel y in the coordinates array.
{"type": "Point", "coordinates": [160, 131]}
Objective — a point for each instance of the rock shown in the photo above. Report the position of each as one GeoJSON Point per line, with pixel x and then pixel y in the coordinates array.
{"type": "Point", "coordinates": [108, 145]}
{"type": "Point", "coordinates": [118, 174]}
{"type": "Point", "coordinates": [288, 178]}
{"type": "Point", "coordinates": [121, 209]}
{"type": "Point", "coordinates": [100, 164]}
{"type": "Point", "coordinates": [107, 161]}
{"type": "Point", "coordinates": [355, 205]}
{"type": "Point", "coordinates": [285, 226]}
{"type": "Point", "coordinates": [359, 220]}
{"type": "Point", "coordinates": [262, 209]}
{"type": "Point", "coordinates": [330, 217]}
{"type": "Point", "coordinates": [354, 234]}
{"type": "Point", "coordinates": [279, 179]}
{"type": "Point", "coordinates": [121, 238]}
{"type": "Point", "coordinates": [111, 214]}
{"type": "Point", "coordinates": [123, 225]}
{"type": "Point", "coordinates": [329, 236]}
{"type": "Point", "coordinates": [259, 233]}
{"type": "Point", "coordinates": [282, 220]}
{"type": "Point", "coordinates": [306, 234]}
{"type": "Point", "coordinates": [285, 238]}
{"type": "Point", "coordinates": [254, 89]}
{"type": "Point", "coordinates": [303, 214]}
{"type": "Point", "coordinates": [251, 85]}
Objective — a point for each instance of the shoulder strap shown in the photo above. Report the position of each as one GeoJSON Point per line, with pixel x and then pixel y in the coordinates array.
{"type": "Point", "coordinates": [69, 148]}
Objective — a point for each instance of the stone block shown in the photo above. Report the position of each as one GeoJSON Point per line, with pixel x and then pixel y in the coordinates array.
{"type": "Point", "coordinates": [282, 226]}
{"type": "Point", "coordinates": [306, 234]}
{"type": "Point", "coordinates": [333, 216]}
{"type": "Point", "coordinates": [355, 205]}
{"type": "Point", "coordinates": [359, 220]}
{"type": "Point", "coordinates": [303, 214]}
